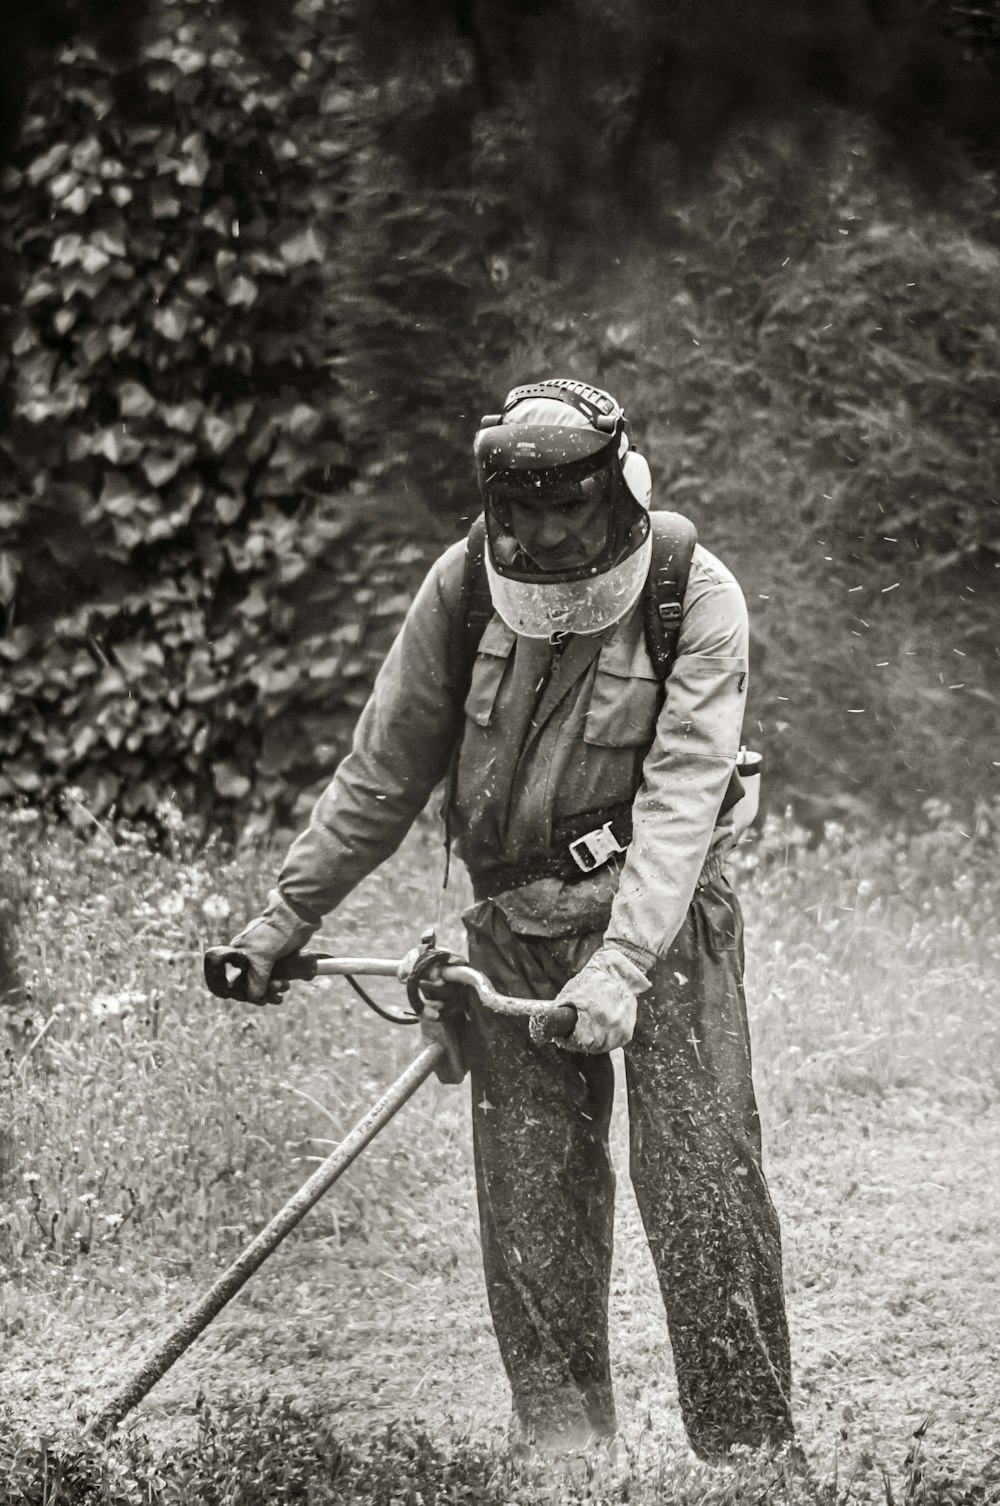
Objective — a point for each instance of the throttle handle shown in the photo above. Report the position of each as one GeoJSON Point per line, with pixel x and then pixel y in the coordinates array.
{"type": "Point", "coordinates": [227, 970]}
{"type": "Point", "coordinates": [556, 1024]}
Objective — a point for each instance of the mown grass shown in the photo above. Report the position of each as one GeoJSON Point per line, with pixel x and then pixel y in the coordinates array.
{"type": "Point", "coordinates": [146, 1130]}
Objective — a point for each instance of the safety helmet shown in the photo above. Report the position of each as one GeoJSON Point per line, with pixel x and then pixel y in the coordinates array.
{"type": "Point", "coordinates": [556, 442]}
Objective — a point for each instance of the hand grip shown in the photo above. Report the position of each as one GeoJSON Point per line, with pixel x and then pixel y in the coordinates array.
{"type": "Point", "coordinates": [555, 1024]}
{"type": "Point", "coordinates": [227, 970]}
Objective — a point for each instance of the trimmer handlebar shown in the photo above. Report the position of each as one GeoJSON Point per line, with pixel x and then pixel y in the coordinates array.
{"type": "Point", "coordinates": [227, 971]}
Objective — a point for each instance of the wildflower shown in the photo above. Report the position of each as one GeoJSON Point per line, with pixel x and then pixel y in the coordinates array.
{"type": "Point", "coordinates": [170, 904]}
{"type": "Point", "coordinates": [170, 815]}
{"type": "Point", "coordinates": [215, 907]}
{"type": "Point", "coordinates": [865, 887]}
{"type": "Point", "coordinates": [122, 1004]}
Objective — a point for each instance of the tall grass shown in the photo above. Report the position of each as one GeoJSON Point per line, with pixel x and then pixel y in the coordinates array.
{"type": "Point", "coordinates": [873, 962]}
{"type": "Point", "coordinates": [136, 1110]}
{"type": "Point", "coordinates": [147, 1129]}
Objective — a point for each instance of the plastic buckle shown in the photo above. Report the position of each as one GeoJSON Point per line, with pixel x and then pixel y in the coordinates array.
{"type": "Point", "coordinates": [594, 848]}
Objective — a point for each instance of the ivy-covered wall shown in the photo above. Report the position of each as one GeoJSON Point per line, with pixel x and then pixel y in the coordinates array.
{"type": "Point", "coordinates": [195, 586]}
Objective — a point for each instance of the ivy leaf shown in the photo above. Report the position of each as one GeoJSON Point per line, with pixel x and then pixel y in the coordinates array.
{"type": "Point", "coordinates": [163, 466]}
{"type": "Point", "coordinates": [219, 432]}
{"type": "Point", "coordinates": [119, 496]}
{"type": "Point", "coordinates": [228, 507]}
{"type": "Point", "coordinates": [173, 322]}
{"type": "Point", "coordinates": [115, 444]}
{"type": "Point", "coordinates": [66, 250]}
{"type": "Point", "coordinates": [80, 200]}
{"type": "Point", "coordinates": [64, 184]}
{"type": "Point", "coordinates": [120, 337]}
{"type": "Point", "coordinates": [299, 250]}
{"type": "Point", "coordinates": [242, 292]}
{"type": "Point", "coordinates": [37, 291]}
{"type": "Point", "coordinates": [163, 202]}
{"type": "Point", "coordinates": [336, 100]}
{"type": "Point", "coordinates": [229, 781]}
{"type": "Point", "coordinates": [184, 417]}
{"type": "Point", "coordinates": [110, 242]}
{"type": "Point", "coordinates": [302, 421]}
{"type": "Point", "coordinates": [135, 401]}
{"type": "Point", "coordinates": [48, 163]}
{"type": "Point", "coordinates": [9, 568]}
{"type": "Point", "coordinates": [188, 59]}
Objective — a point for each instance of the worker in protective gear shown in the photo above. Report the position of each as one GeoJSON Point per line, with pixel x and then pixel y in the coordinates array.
{"type": "Point", "coordinates": [564, 722]}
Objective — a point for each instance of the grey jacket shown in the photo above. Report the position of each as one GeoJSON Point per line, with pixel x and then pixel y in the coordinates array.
{"type": "Point", "coordinates": [544, 737]}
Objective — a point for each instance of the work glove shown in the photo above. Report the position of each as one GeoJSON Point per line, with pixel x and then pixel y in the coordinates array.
{"type": "Point", "coordinates": [604, 994]}
{"type": "Point", "coordinates": [276, 933]}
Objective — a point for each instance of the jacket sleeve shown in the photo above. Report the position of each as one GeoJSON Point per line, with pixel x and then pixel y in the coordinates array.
{"type": "Point", "coordinates": [687, 770]}
{"type": "Point", "coordinates": [401, 749]}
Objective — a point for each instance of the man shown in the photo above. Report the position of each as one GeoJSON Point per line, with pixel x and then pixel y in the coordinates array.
{"type": "Point", "coordinates": [564, 755]}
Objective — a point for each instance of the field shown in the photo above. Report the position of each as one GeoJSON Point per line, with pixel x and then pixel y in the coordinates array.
{"type": "Point", "coordinates": [147, 1130]}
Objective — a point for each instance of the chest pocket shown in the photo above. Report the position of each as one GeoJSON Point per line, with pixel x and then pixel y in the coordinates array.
{"type": "Point", "coordinates": [488, 671]}
{"type": "Point", "coordinates": [625, 698]}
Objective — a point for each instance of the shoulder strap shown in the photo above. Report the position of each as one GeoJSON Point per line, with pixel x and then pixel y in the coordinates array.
{"type": "Point", "coordinates": [674, 538]}
{"type": "Point", "coordinates": [474, 610]}
{"type": "Point", "coordinates": [468, 624]}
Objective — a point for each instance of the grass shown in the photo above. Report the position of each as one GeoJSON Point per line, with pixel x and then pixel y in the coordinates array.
{"type": "Point", "coordinates": [146, 1131]}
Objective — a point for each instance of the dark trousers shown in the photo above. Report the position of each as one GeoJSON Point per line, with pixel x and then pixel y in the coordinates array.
{"type": "Point", "coordinates": [546, 1188]}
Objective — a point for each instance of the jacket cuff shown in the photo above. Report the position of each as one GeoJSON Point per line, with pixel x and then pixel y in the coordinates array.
{"type": "Point", "coordinates": [277, 901]}
{"type": "Point", "coordinates": [640, 955]}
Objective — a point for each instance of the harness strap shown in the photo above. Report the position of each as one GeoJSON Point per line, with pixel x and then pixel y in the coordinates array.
{"type": "Point", "coordinates": [581, 845]}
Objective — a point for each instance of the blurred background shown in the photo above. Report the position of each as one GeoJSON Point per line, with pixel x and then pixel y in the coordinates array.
{"type": "Point", "coordinates": [264, 268]}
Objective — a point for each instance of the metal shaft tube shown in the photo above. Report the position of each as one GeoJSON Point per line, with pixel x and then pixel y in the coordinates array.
{"type": "Point", "coordinates": [198, 1317]}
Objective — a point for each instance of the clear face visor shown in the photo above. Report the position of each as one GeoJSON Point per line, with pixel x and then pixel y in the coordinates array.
{"type": "Point", "coordinates": [542, 607]}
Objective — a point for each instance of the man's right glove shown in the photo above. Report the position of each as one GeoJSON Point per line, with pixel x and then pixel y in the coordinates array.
{"type": "Point", "coordinates": [604, 994]}
{"type": "Point", "coordinates": [276, 933]}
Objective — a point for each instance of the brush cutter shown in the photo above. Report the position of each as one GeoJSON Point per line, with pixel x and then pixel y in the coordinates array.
{"type": "Point", "coordinates": [440, 973]}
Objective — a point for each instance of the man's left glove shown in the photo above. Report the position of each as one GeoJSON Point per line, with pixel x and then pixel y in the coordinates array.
{"type": "Point", "coordinates": [604, 994]}
{"type": "Point", "coordinates": [276, 933]}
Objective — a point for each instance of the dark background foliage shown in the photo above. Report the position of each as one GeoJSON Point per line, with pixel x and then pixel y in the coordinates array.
{"type": "Point", "coordinates": [264, 272]}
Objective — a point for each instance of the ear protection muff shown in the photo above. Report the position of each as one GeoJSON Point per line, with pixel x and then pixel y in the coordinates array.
{"type": "Point", "coordinates": [637, 477]}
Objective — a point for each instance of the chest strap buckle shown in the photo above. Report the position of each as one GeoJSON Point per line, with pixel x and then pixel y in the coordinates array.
{"type": "Point", "coordinates": [595, 847]}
